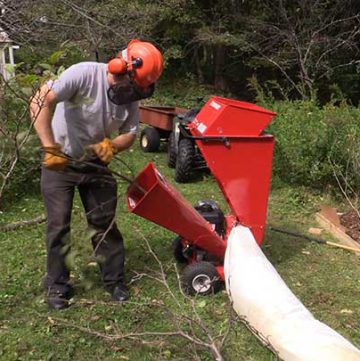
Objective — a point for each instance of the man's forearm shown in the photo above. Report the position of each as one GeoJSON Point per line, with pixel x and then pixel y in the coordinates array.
{"type": "Point", "coordinates": [41, 106]}
{"type": "Point", "coordinates": [42, 125]}
{"type": "Point", "coordinates": [124, 141]}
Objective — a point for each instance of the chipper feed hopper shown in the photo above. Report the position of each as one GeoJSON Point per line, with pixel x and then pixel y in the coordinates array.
{"type": "Point", "coordinates": [230, 135]}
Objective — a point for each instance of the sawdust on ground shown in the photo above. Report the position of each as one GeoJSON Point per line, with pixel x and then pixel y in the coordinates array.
{"type": "Point", "coordinates": [351, 221]}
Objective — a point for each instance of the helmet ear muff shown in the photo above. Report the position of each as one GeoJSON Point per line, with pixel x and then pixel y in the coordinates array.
{"type": "Point", "coordinates": [142, 60]}
{"type": "Point", "coordinates": [117, 66]}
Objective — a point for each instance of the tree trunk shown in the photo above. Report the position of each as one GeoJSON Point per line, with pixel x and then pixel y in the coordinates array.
{"type": "Point", "coordinates": [219, 64]}
{"type": "Point", "coordinates": [197, 62]}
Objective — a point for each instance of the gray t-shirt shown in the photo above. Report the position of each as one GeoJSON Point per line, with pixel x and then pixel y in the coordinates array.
{"type": "Point", "coordinates": [84, 115]}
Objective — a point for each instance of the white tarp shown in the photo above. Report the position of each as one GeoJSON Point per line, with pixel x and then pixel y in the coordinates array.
{"type": "Point", "coordinates": [263, 300]}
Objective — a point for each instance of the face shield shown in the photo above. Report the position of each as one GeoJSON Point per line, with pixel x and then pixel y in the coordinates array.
{"type": "Point", "coordinates": [126, 91]}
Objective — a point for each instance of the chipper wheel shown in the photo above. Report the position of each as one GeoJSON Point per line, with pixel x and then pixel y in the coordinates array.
{"type": "Point", "coordinates": [149, 140]}
{"type": "Point", "coordinates": [171, 153]}
{"type": "Point", "coordinates": [184, 161]}
{"type": "Point", "coordinates": [200, 278]}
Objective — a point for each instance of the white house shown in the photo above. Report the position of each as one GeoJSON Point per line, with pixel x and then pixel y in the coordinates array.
{"type": "Point", "coordinates": [6, 55]}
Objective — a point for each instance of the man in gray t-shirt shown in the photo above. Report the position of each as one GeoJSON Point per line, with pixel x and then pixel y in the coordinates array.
{"type": "Point", "coordinates": [96, 115]}
{"type": "Point", "coordinates": [84, 114]}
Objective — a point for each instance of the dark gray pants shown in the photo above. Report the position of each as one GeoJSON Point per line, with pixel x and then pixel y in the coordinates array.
{"type": "Point", "coordinates": [98, 192]}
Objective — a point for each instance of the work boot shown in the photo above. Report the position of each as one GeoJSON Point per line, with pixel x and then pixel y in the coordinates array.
{"type": "Point", "coordinates": [57, 300]}
{"type": "Point", "coordinates": [120, 293]}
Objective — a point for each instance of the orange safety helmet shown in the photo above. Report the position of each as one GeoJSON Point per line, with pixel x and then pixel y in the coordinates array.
{"type": "Point", "coordinates": [142, 60]}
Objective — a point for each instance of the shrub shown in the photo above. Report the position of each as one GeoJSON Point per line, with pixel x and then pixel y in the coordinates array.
{"type": "Point", "coordinates": [314, 142]}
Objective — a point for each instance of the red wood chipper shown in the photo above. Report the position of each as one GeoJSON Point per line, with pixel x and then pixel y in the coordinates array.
{"type": "Point", "coordinates": [230, 135]}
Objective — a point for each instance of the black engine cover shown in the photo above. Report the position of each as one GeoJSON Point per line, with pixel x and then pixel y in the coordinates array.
{"type": "Point", "coordinates": [211, 211]}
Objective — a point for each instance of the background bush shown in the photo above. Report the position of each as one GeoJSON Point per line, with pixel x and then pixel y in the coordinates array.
{"type": "Point", "coordinates": [315, 145]}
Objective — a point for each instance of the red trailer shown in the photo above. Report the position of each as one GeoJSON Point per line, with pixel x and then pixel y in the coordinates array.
{"type": "Point", "coordinates": [230, 135]}
{"type": "Point", "coordinates": [160, 125]}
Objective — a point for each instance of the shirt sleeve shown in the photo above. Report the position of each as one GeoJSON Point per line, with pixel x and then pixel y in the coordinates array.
{"type": "Point", "coordinates": [131, 124]}
{"type": "Point", "coordinates": [68, 83]}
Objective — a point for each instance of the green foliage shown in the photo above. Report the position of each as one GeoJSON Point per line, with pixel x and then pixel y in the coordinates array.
{"type": "Point", "coordinates": [303, 47]}
{"type": "Point", "coordinates": [50, 59]}
{"type": "Point", "coordinates": [185, 92]}
{"type": "Point", "coordinates": [16, 151]}
{"type": "Point", "coordinates": [315, 145]}
{"type": "Point", "coordinates": [19, 150]}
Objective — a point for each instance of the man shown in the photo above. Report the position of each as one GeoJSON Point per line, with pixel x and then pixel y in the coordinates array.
{"type": "Point", "coordinates": [93, 100]}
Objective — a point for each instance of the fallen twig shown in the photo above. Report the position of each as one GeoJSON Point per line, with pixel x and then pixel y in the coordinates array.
{"type": "Point", "coordinates": [19, 224]}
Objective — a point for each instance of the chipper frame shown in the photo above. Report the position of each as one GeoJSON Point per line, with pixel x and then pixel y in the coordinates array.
{"type": "Point", "coordinates": [230, 135]}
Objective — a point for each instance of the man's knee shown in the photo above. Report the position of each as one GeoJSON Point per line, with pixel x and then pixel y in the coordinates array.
{"type": "Point", "coordinates": [101, 220]}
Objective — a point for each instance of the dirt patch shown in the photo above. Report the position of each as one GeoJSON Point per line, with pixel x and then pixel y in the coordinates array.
{"type": "Point", "coordinates": [351, 221]}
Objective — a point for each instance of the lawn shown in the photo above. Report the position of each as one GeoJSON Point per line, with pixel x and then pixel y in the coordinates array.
{"type": "Point", "coordinates": [152, 325]}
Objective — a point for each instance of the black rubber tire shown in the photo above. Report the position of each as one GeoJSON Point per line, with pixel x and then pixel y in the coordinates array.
{"type": "Point", "coordinates": [200, 278]}
{"type": "Point", "coordinates": [171, 151]}
{"type": "Point", "coordinates": [178, 250]}
{"type": "Point", "coordinates": [184, 161]}
{"type": "Point", "coordinates": [149, 140]}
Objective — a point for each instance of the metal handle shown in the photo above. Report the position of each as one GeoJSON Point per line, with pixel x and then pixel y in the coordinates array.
{"type": "Point", "coordinates": [224, 140]}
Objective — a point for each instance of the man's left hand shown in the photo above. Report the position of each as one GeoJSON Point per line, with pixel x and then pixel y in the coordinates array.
{"type": "Point", "coordinates": [105, 150]}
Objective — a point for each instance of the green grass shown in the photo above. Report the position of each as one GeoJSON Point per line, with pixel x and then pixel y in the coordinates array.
{"type": "Point", "coordinates": [325, 279]}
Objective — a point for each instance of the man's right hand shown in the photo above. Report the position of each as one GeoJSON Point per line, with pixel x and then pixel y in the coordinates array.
{"type": "Point", "coordinates": [105, 150]}
{"type": "Point", "coordinates": [54, 158]}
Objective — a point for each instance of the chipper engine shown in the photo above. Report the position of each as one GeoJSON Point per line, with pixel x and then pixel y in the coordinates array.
{"type": "Point", "coordinates": [231, 137]}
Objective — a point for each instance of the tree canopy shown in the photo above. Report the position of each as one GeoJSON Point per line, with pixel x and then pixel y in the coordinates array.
{"type": "Point", "coordinates": [301, 49]}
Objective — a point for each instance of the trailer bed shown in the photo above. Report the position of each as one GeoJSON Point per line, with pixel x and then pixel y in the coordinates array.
{"type": "Point", "coordinates": [160, 117]}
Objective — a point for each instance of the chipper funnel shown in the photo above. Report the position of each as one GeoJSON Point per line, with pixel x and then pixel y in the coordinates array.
{"type": "Point", "coordinates": [152, 197]}
{"type": "Point", "coordinates": [230, 136]}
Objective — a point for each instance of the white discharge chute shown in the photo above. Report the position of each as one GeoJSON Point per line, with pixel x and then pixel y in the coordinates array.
{"type": "Point", "coordinates": [263, 300]}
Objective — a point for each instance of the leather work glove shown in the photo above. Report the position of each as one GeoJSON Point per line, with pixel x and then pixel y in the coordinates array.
{"type": "Point", "coordinates": [54, 158]}
{"type": "Point", "coordinates": [105, 150]}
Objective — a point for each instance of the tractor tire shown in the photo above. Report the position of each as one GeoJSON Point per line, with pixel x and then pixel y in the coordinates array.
{"type": "Point", "coordinates": [149, 140]}
{"type": "Point", "coordinates": [200, 278]}
{"type": "Point", "coordinates": [184, 161]}
{"type": "Point", "coordinates": [171, 152]}
{"type": "Point", "coordinates": [178, 250]}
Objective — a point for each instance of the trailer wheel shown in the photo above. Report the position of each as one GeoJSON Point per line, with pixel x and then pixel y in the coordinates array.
{"type": "Point", "coordinates": [149, 140]}
{"type": "Point", "coordinates": [178, 250]}
{"type": "Point", "coordinates": [184, 161]}
{"type": "Point", "coordinates": [200, 278]}
{"type": "Point", "coordinates": [171, 153]}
